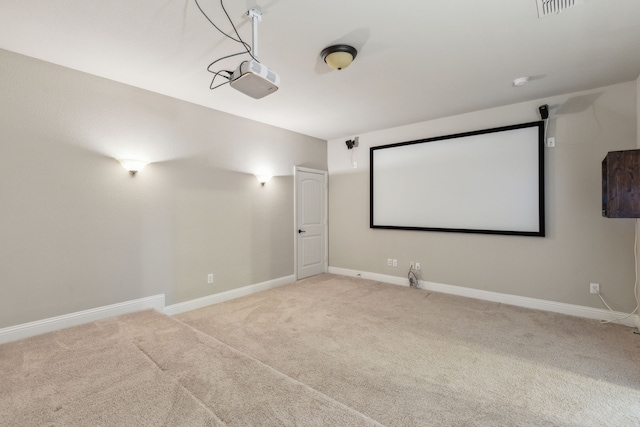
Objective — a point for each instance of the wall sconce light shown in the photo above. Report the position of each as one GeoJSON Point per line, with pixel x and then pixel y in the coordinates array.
{"type": "Point", "coordinates": [263, 179]}
{"type": "Point", "coordinates": [133, 166]}
{"type": "Point", "coordinates": [339, 56]}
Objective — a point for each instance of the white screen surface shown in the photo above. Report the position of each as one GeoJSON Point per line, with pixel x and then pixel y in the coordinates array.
{"type": "Point", "coordinates": [488, 181]}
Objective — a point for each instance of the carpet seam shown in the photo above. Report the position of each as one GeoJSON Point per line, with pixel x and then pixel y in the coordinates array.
{"type": "Point", "coordinates": [279, 373]}
{"type": "Point", "coordinates": [177, 382]}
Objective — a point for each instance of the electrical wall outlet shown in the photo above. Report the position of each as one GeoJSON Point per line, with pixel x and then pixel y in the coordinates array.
{"type": "Point", "coordinates": [389, 262]}
{"type": "Point", "coordinates": [594, 288]}
{"type": "Point", "coordinates": [418, 266]}
{"type": "Point", "coordinates": [210, 278]}
{"type": "Point", "coordinates": [395, 262]}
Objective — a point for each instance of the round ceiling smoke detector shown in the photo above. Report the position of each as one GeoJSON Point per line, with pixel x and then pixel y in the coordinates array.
{"type": "Point", "coordinates": [521, 81]}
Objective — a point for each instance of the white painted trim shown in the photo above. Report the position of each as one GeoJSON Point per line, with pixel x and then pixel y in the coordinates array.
{"type": "Point", "coordinates": [181, 307]}
{"type": "Point", "coordinates": [295, 221]}
{"type": "Point", "coordinates": [394, 280]}
{"type": "Point", "coordinates": [157, 302]}
{"type": "Point", "coordinates": [534, 303]}
{"type": "Point", "coordinates": [26, 330]}
{"type": "Point", "coordinates": [310, 170]}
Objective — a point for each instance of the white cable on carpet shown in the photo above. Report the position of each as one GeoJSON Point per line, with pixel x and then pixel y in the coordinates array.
{"type": "Point", "coordinates": [635, 287]}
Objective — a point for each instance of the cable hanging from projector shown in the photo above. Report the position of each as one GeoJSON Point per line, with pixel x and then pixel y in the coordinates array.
{"type": "Point", "coordinates": [250, 77]}
{"type": "Point", "coordinates": [246, 46]}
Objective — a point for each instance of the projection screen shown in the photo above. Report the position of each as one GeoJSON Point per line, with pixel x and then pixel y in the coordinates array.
{"type": "Point", "coordinates": [489, 181]}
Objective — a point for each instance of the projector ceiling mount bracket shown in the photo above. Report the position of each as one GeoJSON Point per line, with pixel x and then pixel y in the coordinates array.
{"type": "Point", "coordinates": [250, 77]}
{"type": "Point", "coordinates": [256, 16]}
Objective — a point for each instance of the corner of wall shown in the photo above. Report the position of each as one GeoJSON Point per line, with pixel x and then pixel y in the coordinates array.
{"type": "Point", "coordinates": [638, 145]}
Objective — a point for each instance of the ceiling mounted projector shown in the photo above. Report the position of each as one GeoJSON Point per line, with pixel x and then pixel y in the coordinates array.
{"type": "Point", "coordinates": [254, 79]}
{"type": "Point", "coordinates": [251, 77]}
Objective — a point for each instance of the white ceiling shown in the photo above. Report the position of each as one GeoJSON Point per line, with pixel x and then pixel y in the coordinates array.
{"type": "Point", "coordinates": [417, 59]}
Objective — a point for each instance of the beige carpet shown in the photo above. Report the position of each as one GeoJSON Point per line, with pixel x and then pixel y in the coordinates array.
{"type": "Point", "coordinates": [328, 350]}
{"type": "Point", "coordinates": [146, 369]}
{"type": "Point", "coordinates": [409, 357]}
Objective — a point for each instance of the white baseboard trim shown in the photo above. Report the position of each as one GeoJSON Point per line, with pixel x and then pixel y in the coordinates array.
{"type": "Point", "coordinates": [394, 280]}
{"type": "Point", "coordinates": [26, 330]}
{"type": "Point", "coordinates": [182, 307]}
{"type": "Point", "coordinates": [157, 302]}
{"type": "Point", "coordinates": [534, 303]}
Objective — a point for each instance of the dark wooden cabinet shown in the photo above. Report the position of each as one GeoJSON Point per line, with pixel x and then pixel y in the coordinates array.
{"type": "Point", "coordinates": [621, 184]}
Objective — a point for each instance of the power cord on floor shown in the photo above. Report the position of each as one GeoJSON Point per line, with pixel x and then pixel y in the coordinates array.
{"type": "Point", "coordinates": [635, 287]}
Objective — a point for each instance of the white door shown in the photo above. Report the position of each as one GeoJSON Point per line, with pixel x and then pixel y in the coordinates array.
{"type": "Point", "coordinates": [311, 222]}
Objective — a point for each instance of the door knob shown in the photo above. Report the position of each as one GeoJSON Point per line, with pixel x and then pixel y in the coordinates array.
{"type": "Point", "coordinates": [301, 231]}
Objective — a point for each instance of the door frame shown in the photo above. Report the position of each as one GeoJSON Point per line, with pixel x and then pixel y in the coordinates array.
{"type": "Point", "coordinates": [325, 230]}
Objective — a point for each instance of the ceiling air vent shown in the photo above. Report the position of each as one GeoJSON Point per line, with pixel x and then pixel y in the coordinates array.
{"type": "Point", "coordinates": [552, 7]}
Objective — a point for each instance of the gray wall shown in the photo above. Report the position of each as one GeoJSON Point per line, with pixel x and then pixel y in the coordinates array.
{"type": "Point", "coordinates": [77, 231]}
{"type": "Point", "coordinates": [637, 223]}
{"type": "Point", "coordinates": [580, 247]}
